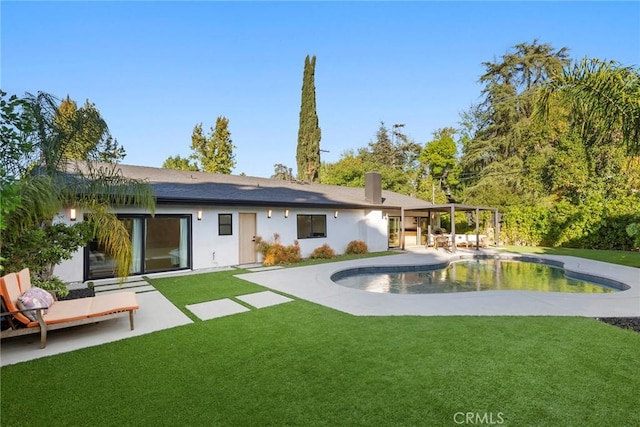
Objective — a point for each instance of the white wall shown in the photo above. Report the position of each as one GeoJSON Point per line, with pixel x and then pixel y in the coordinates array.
{"type": "Point", "coordinates": [351, 224]}
{"type": "Point", "coordinates": [70, 270]}
{"type": "Point", "coordinates": [374, 229]}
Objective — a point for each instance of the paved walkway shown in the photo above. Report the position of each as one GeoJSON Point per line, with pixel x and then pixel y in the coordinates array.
{"type": "Point", "coordinates": [313, 283]}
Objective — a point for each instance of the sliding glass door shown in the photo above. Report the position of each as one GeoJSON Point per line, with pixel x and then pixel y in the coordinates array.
{"type": "Point", "coordinates": [160, 243]}
{"type": "Point", "coordinates": [394, 231]}
{"type": "Point", "coordinates": [166, 244]}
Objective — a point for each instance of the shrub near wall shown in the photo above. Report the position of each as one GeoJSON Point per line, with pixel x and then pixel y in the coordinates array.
{"type": "Point", "coordinates": [356, 247]}
{"type": "Point", "coordinates": [323, 252]}
{"type": "Point", "coordinates": [275, 253]}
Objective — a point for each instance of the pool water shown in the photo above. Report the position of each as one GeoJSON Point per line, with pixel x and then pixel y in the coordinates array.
{"type": "Point", "coordinates": [473, 275]}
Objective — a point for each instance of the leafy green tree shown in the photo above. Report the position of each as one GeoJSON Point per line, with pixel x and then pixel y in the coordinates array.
{"type": "Point", "coordinates": [348, 171]}
{"type": "Point", "coordinates": [222, 159]}
{"type": "Point", "coordinates": [48, 182]}
{"type": "Point", "coordinates": [308, 150]}
{"type": "Point", "coordinates": [382, 151]}
{"type": "Point", "coordinates": [180, 163]}
{"type": "Point", "coordinates": [281, 172]}
{"type": "Point", "coordinates": [439, 157]}
{"type": "Point", "coordinates": [567, 171]}
{"type": "Point", "coordinates": [554, 145]}
{"type": "Point", "coordinates": [86, 132]}
{"type": "Point", "coordinates": [42, 248]}
{"type": "Point", "coordinates": [396, 161]}
{"type": "Point", "coordinates": [212, 153]}
{"type": "Point", "coordinates": [397, 151]}
{"type": "Point", "coordinates": [15, 124]}
{"type": "Point", "coordinates": [503, 149]}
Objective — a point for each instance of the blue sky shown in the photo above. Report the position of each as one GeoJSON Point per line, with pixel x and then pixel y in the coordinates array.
{"type": "Point", "coordinates": [155, 69]}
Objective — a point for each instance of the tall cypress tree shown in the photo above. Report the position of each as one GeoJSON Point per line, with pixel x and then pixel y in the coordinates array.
{"type": "Point", "coordinates": [308, 152]}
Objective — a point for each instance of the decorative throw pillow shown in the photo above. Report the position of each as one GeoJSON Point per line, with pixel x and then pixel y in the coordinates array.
{"type": "Point", "coordinates": [32, 299]}
{"type": "Point", "coordinates": [27, 311]}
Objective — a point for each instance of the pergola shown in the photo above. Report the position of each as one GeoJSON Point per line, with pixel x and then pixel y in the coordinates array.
{"type": "Point", "coordinates": [452, 208]}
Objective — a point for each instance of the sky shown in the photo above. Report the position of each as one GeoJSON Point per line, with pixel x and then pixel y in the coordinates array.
{"type": "Point", "coordinates": [156, 69]}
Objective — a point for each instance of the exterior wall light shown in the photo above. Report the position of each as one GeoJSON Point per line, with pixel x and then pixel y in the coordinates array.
{"type": "Point", "coordinates": [72, 214]}
{"type": "Point", "coordinates": [199, 216]}
{"type": "Point", "coordinates": [286, 213]}
{"type": "Point", "coordinates": [335, 214]}
{"type": "Point", "coordinates": [269, 212]}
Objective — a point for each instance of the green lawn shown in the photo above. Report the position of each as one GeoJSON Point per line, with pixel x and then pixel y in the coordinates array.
{"type": "Point", "coordinates": [628, 258]}
{"type": "Point", "coordinates": [302, 364]}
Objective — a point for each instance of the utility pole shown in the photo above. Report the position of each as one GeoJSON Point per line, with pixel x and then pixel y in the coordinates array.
{"type": "Point", "coordinates": [394, 132]}
{"type": "Point", "coordinates": [320, 151]}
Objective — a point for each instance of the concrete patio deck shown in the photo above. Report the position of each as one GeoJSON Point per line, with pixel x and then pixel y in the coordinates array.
{"type": "Point", "coordinates": [313, 283]}
{"type": "Point", "coordinates": [156, 313]}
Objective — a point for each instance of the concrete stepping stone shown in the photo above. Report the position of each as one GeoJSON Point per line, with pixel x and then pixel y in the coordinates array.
{"type": "Point", "coordinates": [217, 308]}
{"type": "Point", "coordinates": [263, 299]}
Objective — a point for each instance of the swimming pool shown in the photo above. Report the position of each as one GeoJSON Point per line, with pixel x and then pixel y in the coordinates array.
{"type": "Point", "coordinates": [475, 274]}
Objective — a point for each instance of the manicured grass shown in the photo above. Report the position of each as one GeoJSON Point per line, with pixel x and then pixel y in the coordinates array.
{"type": "Point", "coordinates": [196, 288]}
{"type": "Point", "coordinates": [628, 258]}
{"type": "Point", "coordinates": [302, 364]}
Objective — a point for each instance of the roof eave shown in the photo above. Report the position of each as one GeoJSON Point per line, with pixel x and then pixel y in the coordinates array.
{"type": "Point", "coordinates": [259, 203]}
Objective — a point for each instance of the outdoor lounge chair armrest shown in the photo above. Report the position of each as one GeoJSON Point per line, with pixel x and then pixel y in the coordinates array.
{"type": "Point", "coordinates": [37, 310]}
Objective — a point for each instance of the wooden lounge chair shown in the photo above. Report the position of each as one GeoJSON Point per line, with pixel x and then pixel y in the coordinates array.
{"type": "Point", "coordinates": [61, 314]}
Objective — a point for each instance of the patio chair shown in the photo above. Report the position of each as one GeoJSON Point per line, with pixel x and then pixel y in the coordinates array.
{"type": "Point", "coordinates": [442, 241]}
{"type": "Point", "coordinates": [59, 314]}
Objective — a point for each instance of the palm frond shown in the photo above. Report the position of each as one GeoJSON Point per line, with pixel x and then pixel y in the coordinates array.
{"type": "Point", "coordinates": [603, 96]}
{"type": "Point", "coordinates": [111, 234]}
{"type": "Point", "coordinates": [40, 201]}
{"type": "Point", "coordinates": [88, 182]}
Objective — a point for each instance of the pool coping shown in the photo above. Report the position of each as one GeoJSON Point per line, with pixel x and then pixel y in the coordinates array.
{"type": "Point", "coordinates": [314, 284]}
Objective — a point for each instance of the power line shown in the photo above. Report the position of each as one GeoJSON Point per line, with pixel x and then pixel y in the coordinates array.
{"type": "Point", "coordinates": [472, 175]}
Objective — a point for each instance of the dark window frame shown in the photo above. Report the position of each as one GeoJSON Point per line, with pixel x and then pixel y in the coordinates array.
{"type": "Point", "coordinates": [143, 252]}
{"type": "Point", "coordinates": [313, 233]}
{"type": "Point", "coordinates": [226, 225]}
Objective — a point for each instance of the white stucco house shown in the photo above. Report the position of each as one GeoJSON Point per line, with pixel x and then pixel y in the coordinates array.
{"type": "Point", "coordinates": [204, 220]}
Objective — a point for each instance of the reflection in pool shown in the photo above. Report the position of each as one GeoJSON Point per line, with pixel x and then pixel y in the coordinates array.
{"type": "Point", "coordinates": [468, 276]}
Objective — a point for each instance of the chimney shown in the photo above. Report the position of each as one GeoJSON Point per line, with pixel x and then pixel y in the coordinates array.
{"type": "Point", "coordinates": [373, 187]}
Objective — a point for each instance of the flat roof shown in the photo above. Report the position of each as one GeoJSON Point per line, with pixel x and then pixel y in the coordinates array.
{"type": "Point", "coordinates": [456, 206]}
